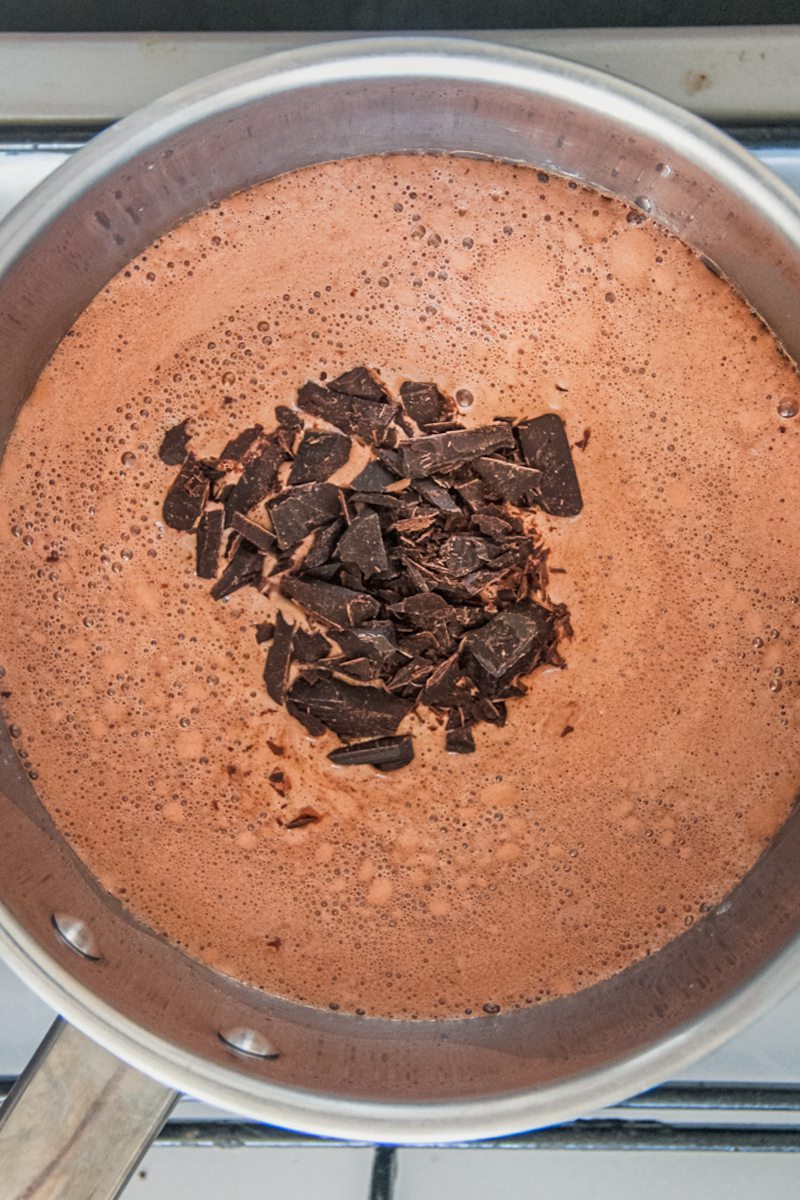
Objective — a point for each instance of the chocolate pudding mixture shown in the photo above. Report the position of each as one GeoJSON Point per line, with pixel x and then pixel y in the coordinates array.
{"type": "Point", "coordinates": [627, 792]}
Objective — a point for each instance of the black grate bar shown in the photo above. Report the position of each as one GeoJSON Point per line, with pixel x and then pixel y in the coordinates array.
{"type": "Point", "coordinates": [384, 1171]}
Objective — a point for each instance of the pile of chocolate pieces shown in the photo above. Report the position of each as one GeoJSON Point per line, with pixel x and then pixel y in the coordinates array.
{"type": "Point", "coordinates": [423, 579]}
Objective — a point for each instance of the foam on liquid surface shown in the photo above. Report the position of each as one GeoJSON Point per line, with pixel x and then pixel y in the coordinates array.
{"type": "Point", "coordinates": [543, 862]}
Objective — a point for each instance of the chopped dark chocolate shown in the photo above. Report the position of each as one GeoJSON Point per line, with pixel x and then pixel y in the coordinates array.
{"type": "Point", "coordinates": [175, 444]}
{"type": "Point", "coordinates": [425, 404]}
{"type": "Point", "coordinates": [423, 571]}
{"type": "Point", "coordinates": [375, 477]}
{"type": "Point", "coordinates": [360, 382]}
{"type": "Point", "coordinates": [339, 607]}
{"type": "Point", "coordinates": [299, 510]}
{"type": "Point", "coordinates": [436, 495]}
{"type": "Point", "coordinates": [459, 741]}
{"type": "Point", "coordinates": [545, 446]}
{"type": "Point", "coordinates": [243, 569]}
{"type": "Point", "coordinates": [387, 753]}
{"type": "Point", "coordinates": [322, 546]}
{"type": "Point", "coordinates": [510, 644]}
{"type": "Point", "coordinates": [310, 647]}
{"type": "Point", "coordinates": [426, 456]}
{"type": "Point", "coordinates": [318, 456]}
{"type": "Point", "coordinates": [258, 479]}
{"type": "Point", "coordinates": [376, 640]}
{"type": "Point", "coordinates": [288, 419]}
{"type": "Point", "coordinates": [188, 496]}
{"type": "Point", "coordinates": [238, 448]}
{"type": "Point", "coordinates": [254, 533]}
{"type": "Point", "coordinates": [279, 659]}
{"type": "Point", "coordinates": [209, 543]}
{"type": "Point", "coordinates": [347, 709]}
{"type": "Point", "coordinates": [362, 545]}
{"type": "Point", "coordinates": [507, 480]}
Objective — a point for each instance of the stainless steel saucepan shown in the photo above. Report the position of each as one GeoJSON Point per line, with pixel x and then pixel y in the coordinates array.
{"type": "Point", "coordinates": [125, 990]}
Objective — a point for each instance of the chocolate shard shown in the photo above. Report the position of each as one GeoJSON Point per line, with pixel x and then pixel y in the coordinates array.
{"type": "Point", "coordinates": [337, 606]}
{"type": "Point", "coordinates": [257, 481]}
{"type": "Point", "coordinates": [297, 511]}
{"type": "Point", "coordinates": [509, 481]}
{"type": "Point", "coordinates": [314, 726]}
{"type": "Point", "coordinates": [349, 710]}
{"type": "Point", "coordinates": [367, 419]}
{"type": "Point", "coordinates": [254, 533]}
{"type": "Point", "coordinates": [239, 447]}
{"type": "Point", "coordinates": [510, 644]}
{"type": "Point", "coordinates": [175, 444]}
{"type": "Point", "coordinates": [459, 741]}
{"type": "Point", "coordinates": [436, 495]}
{"type": "Point", "coordinates": [357, 668]}
{"type": "Point", "coordinates": [462, 553]}
{"type": "Point", "coordinates": [209, 543]}
{"type": "Point", "coordinates": [376, 640]}
{"type": "Point", "coordinates": [426, 456]}
{"type": "Point", "coordinates": [265, 631]}
{"type": "Point", "coordinates": [318, 456]}
{"type": "Point", "coordinates": [375, 477]}
{"type": "Point", "coordinates": [310, 647]}
{"type": "Point", "coordinates": [545, 446]}
{"type": "Point", "coordinates": [288, 419]}
{"type": "Point", "coordinates": [391, 460]}
{"type": "Point", "coordinates": [243, 569]}
{"type": "Point", "coordinates": [408, 680]}
{"type": "Point", "coordinates": [279, 659]}
{"type": "Point", "coordinates": [360, 382]}
{"type": "Point", "coordinates": [425, 404]}
{"type": "Point", "coordinates": [361, 545]}
{"type": "Point", "coordinates": [187, 497]}
{"type": "Point", "coordinates": [387, 753]}
{"type": "Point", "coordinates": [375, 499]}
{"type": "Point", "coordinates": [322, 547]}
{"type": "Point", "coordinates": [426, 610]}
{"type": "Point", "coordinates": [443, 688]}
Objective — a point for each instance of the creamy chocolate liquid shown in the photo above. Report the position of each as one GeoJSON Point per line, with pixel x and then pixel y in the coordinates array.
{"type": "Point", "coordinates": [545, 861]}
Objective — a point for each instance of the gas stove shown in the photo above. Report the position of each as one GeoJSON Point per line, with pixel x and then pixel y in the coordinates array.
{"type": "Point", "coordinates": [56, 92]}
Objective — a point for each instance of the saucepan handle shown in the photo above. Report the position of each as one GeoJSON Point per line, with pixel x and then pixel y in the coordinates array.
{"type": "Point", "coordinates": [77, 1121]}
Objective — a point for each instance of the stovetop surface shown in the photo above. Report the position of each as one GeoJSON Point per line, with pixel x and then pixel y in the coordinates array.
{"type": "Point", "coordinates": [696, 1164]}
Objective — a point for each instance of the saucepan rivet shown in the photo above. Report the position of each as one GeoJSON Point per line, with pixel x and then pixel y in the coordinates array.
{"type": "Point", "coordinates": [248, 1041]}
{"type": "Point", "coordinates": [76, 934]}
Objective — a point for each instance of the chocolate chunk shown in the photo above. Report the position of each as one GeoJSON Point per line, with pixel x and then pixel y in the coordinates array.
{"type": "Point", "coordinates": [175, 445]}
{"type": "Point", "coordinates": [545, 446]}
{"type": "Point", "coordinates": [322, 547]}
{"type": "Point", "coordinates": [510, 644]}
{"type": "Point", "coordinates": [257, 481]}
{"type": "Point", "coordinates": [357, 668]}
{"type": "Point", "coordinates": [493, 527]}
{"type": "Point", "coordinates": [422, 519]}
{"type": "Point", "coordinates": [209, 543]}
{"type": "Point", "coordinates": [443, 689]}
{"type": "Point", "coordinates": [375, 499]}
{"type": "Point", "coordinates": [425, 456]}
{"type": "Point", "coordinates": [340, 607]}
{"type": "Point", "coordinates": [507, 480]}
{"type": "Point", "coordinates": [279, 658]}
{"type": "Point", "coordinates": [410, 677]}
{"type": "Point", "coordinates": [425, 404]}
{"type": "Point", "coordinates": [288, 419]}
{"type": "Point", "coordinates": [318, 456]}
{"type": "Point", "coordinates": [243, 569]}
{"type": "Point", "coordinates": [299, 510]}
{"type": "Point", "coordinates": [387, 753]}
{"type": "Point", "coordinates": [265, 631]}
{"type": "Point", "coordinates": [314, 726]}
{"type": "Point", "coordinates": [306, 816]}
{"type": "Point", "coordinates": [459, 741]}
{"type": "Point", "coordinates": [187, 497]}
{"type": "Point", "coordinates": [426, 610]}
{"type": "Point", "coordinates": [375, 477]}
{"type": "Point", "coordinates": [376, 640]}
{"type": "Point", "coordinates": [363, 418]}
{"type": "Point", "coordinates": [463, 553]}
{"type": "Point", "coordinates": [391, 460]}
{"type": "Point", "coordinates": [362, 545]}
{"type": "Point", "coordinates": [310, 647]}
{"type": "Point", "coordinates": [360, 382]}
{"type": "Point", "coordinates": [239, 447]}
{"type": "Point", "coordinates": [254, 533]}
{"type": "Point", "coordinates": [347, 709]}
{"type": "Point", "coordinates": [436, 495]}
